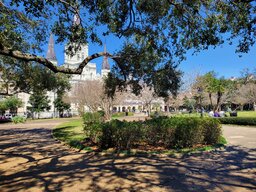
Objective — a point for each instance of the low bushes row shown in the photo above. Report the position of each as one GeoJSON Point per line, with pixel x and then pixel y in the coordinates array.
{"type": "Point", "coordinates": [174, 132]}
{"type": "Point", "coordinates": [238, 120]}
{"type": "Point", "coordinates": [18, 119]}
{"type": "Point", "coordinates": [93, 123]}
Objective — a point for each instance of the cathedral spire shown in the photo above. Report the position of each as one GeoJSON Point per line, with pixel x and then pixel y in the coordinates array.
{"type": "Point", "coordinates": [105, 64]}
{"type": "Point", "coordinates": [50, 52]}
{"type": "Point", "coordinates": [76, 20]}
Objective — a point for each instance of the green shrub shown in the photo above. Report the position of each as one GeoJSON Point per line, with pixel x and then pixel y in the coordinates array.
{"type": "Point", "coordinates": [18, 119]}
{"type": "Point", "coordinates": [93, 125]}
{"type": "Point", "coordinates": [212, 130]}
{"type": "Point", "coordinates": [175, 132]}
{"type": "Point", "coordinates": [109, 135]}
{"type": "Point", "coordinates": [101, 113]}
{"type": "Point", "coordinates": [159, 131]}
{"type": "Point", "coordinates": [189, 132]}
{"type": "Point", "coordinates": [182, 131]}
{"type": "Point", "coordinates": [157, 114]}
{"type": "Point", "coordinates": [222, 140]}
{"type": "Point", "coordinates": [238, 120]}
{"type": "Point", "coordinates": [121, 134]}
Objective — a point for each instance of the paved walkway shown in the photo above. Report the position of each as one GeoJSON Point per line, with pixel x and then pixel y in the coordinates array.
{"type": "Point", "coordinates": [31, 160]}
{"type": "Point", "coordinates": [240, 135]}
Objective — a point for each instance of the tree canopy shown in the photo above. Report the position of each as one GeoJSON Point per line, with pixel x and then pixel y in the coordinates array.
{"type": "Point", "coordinates": [217, 91]}
{"type": "Point", "coordinates": [213, 86]}
{"type": "Point", "coordinates": [11, 103]}
{"type": "Point", "coordinates": [39, 101]}
{"type": "Point", "coordinates": [18, 76]}
{"type": "Point", "coordinates": [157, 34]}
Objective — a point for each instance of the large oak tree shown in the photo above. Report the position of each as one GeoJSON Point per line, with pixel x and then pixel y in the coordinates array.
{"type": "Point", "coordinates": [156, 34]}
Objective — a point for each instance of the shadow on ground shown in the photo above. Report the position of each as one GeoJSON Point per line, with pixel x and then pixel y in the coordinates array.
{"type": "Point", "coordinates": [31, 160]}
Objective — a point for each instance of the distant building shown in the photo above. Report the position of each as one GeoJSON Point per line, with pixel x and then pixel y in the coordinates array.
{"type": "Point", "coordinates": [72, 62]}
{"type": "Point", "coordinates": [233, 78]}
{"type": "Point", "coordinates": [89, 73]}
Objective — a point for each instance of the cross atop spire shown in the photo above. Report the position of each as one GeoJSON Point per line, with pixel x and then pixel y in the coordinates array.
{"type": "Point", "coordinates": [50, 52]}
{"type": "Point", "coordinates": [105, 64]}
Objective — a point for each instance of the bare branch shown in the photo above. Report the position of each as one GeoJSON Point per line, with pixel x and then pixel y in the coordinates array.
{"type": "Point", "coordinates": [69, 5]}
{"type": "Point", "coordinates": [2, 4]}
{"type": "Point", "coordinates": [7, 94]}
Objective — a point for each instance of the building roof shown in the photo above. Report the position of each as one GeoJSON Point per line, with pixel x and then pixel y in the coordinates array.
{"type": "Point", "coordinates": [50, 52]}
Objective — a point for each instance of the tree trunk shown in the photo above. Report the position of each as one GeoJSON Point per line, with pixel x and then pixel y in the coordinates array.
{"type": "Point", "coordinates": [218, 107]}
{"type": "Point", "coordinates": [210, 98]}
{"type": "Point", "coordinates": [81, 110]}
{"type": "Point", "coordinates": [107, 112]}
{"type": "Point", "coordinates": [254, 106]}
{"type": "Point", "coordinates": [168, 108]}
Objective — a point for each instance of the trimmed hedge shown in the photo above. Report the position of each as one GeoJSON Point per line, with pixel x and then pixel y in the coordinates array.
{"type": "Point", "coordinates": [174, 132]}
{"type": "Point", "coordinates": [238, 120]}
{"type": "Point", "coordinates": [93, 123]}
{"type": "Point", "coordinates": [182, 132]}
{"type": "Point", "coordinates": [121, 134]}
{"type": "Point", "coordinates": [212, 131]}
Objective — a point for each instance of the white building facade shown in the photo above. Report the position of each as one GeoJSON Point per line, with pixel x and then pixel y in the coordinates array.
{"type": "Point", "coordinates": [72, 62]}
{"type": "Point", "coordinates": [89, 73]}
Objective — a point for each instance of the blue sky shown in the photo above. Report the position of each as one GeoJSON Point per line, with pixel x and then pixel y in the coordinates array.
{"type": "Point", "coordinates": [223, 59]}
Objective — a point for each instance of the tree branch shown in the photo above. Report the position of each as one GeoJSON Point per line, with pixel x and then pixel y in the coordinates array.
{"type": "Point", "coordinates": [67, 4]}
{"type": "Point", "coordinates": [6, 94]}
{"type": "Point", "coordinates": [30, 57]}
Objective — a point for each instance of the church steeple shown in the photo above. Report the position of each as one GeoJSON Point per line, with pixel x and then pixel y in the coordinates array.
{"type": "Point", "coordinates": [50, 52]}
{"type": "Point", "coordinates": [105, 64]}
{"type": "Point", "coordinates": [76, 20]}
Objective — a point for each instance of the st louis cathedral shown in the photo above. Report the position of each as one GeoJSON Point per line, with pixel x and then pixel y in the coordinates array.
{"type": "Point", "coordinates": [89, 73]}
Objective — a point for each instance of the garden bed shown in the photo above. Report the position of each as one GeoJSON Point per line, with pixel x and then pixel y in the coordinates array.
{"type": "Point", "coordinates": [125, 136]}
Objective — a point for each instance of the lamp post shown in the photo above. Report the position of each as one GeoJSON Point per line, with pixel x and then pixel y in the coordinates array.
{"type": "Point", "coordinates": [200, 90]}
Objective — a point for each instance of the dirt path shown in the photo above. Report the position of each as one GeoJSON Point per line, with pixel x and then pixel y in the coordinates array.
{"type": "Point", "coordinates": [31, 160]}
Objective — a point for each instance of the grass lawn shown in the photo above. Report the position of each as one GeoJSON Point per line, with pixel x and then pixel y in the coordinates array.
{"type": "Point", "coordinates": [48, 119]}
{"type": "Point", "coordinates": [71, 133]}
{"type": "Point", "coordinates": [188, 114]}
{"type": "Point", "coordinates": [246, 113]}
{"type": "Point", "coordinates": [239, 114]}
{"type": "Point", "coordinates": [120, 114]}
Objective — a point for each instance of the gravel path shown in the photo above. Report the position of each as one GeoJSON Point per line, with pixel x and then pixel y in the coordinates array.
{"type": "Point", "coordinates": [31, 160]}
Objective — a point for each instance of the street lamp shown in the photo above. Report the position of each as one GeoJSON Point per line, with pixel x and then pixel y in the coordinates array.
{"type": "Point", "coordinates": [200, 90]}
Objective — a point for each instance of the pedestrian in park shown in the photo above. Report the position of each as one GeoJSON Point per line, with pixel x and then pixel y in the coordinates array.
{"type": "Point", "coordinates": [216, 114]}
